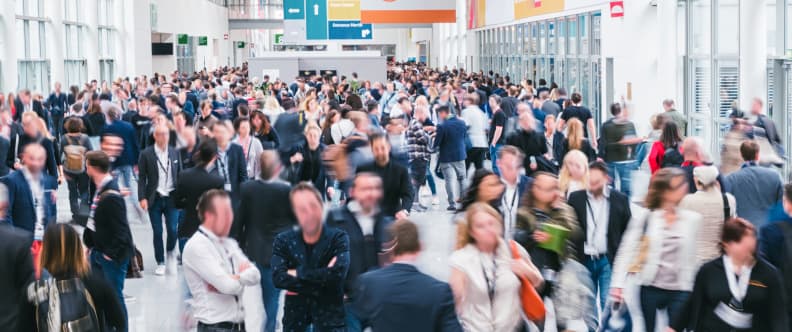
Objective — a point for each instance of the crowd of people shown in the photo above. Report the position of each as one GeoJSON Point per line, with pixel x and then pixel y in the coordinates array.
{"type": "Point", "coordinates": [308, 188]}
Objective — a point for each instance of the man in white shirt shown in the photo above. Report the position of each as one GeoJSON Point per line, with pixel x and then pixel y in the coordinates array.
{"type": "Point", "coordinates": [215, 269]}
{"type": "Point", "coordinates": [510, 163]}
{"type": "Point", "coordinates": [158, 170]}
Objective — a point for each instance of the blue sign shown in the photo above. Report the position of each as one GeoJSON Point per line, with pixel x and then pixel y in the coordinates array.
{"type": "Point", "coordinates": [349, 30]}
{"type": "Point", "coordinates": [316, 19]}
{"type": "Point", "coordinates": [293, 9]}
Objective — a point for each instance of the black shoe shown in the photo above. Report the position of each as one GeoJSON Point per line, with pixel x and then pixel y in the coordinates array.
{"type": "Point", "coordinates": [451, 208]}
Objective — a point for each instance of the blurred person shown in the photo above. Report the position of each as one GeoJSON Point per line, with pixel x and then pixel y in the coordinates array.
{"type": "Point", "coordinates": [159, 169]}
{"type": "Point", "coordinates": [667, 146]}
{"type": "Point", "coordinates": [775, 242]}
{"type": "Point", "coordinates": [576, 141]}
{"type": "Point", "coordinates": [251, 147]}
{"type": "Point", "coordinates": [94, 120]}
{"type": "Point", "coordinates": [449, 142]}
{"type": "Point", "coordinates": [230, 163]}
{"type": "Point", "coordinates": [107, 233]}
{"type": "Point", "coordinates": [179, 124]}
{"type": "Point", "coordinates": [398, 198]}
{"type": "Point", "coordinates": [737, 291]}
{"type": "Point", "coordinates": [125, 162]}
{"type": "Point", "coordinates": [333, 116]}
{"type": "Point", "coordinates": [497, 123]}
{"type": "Point", "coordinates": [74, 146]}
{"type": "Point", "coordinates": [427, 302]}
{"type": "Point", "coordinates": [366, 226]}
{"type": "Point", "coordinates": [695, 156]}
{"type": "Point", "coordinates": [530, 142]}
{"type": "Point", "coordinates": [418, 140]}
{"type": "Point", "coordinates": [256, 225]}
{"type": "Point", "coordinates": [25, 102]}
{"type": "Point", "coordinates": [554, 140]}
{"type": "Point", "coordinates": [32, 134]}
{"type": "Point", "coordinates": [261, 128]}
{"type": "Point", "coordinates": [714, 206]}
{"type": "Point", "coordinates": [548, 105]}
{"type": "Point", "coordinates": [755, 188]}
{"type": "Point", "coordinates": [764, 122]}
{"type": "Point", "coordinates": [619, 138]}
{"type": "Point", "coordinates": [216, 270]}
{"type": "Point", "coordinates": [484, 275]}
{"type": "Point", "coordinates": [395, 131]}
{"type": "Point", "coordinates": [578, 111]}
{"type": "Point", "coordinates": [307, 163]}
{"type": "Point", "coordinates": [310, 263]}
{"type": "Point", "coordinates": [662, 266]}
{"type": "Point", "coordinates": [574, 174]}
{"type": "Point", "coordinates": [603, 215]}
{"type": "Point", "coordinates": [272, 109]}
{"type": "Point", "coordinates": [730, 158]}
{"type": "Point", "coordinates": [510, 161]}
{"type": "Point", "coordinates": [57, 107]}
{"type": "Point", "coordinates": [190, 142]}
{"type": "Point", "coordinates": [476, 122]}
{"type": "Point", "coordinates": [676, 116]}
{"type": "Point", "coordinates": [206, 120]}
{"type": "Point", "coordinates": [15, 257]}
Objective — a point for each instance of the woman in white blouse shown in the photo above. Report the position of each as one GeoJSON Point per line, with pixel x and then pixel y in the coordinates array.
{"type": "Point", "coordinates": [251, 146]}
{"type": "Point", "coordinates": [484, 274]}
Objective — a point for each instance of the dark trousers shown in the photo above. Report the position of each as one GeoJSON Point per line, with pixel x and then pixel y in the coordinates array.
{"type": "Point", "coordinates": [78, 192]}
{"type": "Point", "coordinates": [270, 295]}
{"type": "Point", "coordinates": [653, 298]}
{"type": "Point", "coordinates": [418, 176]}
{"type": "Point", "coordinates": [114, 273]}
{"type": "Point", "coordinates": [475, 156]}
{"type": "Point", "coordinates": [163, 206]}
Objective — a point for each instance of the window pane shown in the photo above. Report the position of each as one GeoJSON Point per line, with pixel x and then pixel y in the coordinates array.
{"type": "Point", "coordinates": [551, 35]}
{"type": "Point", "coordinates": [572, 32]}
{"type": "Point", "coordinates": [20, 42]}
{"type": "Point", "coordinates": [584, 34]}
{"type": "Point", "coordinates": [700, 22]}
{"type": "Point", "coordinates": [35, 40]}
{"type": "Point", "coordinates": [728, 26]}
{"type": "Point", "coordinates": [561, 36]}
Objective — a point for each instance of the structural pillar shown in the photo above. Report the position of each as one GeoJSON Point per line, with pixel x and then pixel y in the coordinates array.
{"type": "Point", "coordinates": [753, 52]}
{"type": "Point", "coordinates": [667, 58]}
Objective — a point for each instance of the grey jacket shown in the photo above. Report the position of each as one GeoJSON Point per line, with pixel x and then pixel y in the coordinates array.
{"type": "Point", "coordinates": [756, 189]}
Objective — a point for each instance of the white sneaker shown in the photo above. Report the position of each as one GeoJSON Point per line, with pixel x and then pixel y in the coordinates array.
{"type": "Point", "coordinates": [172, 262]}
{"type": "Point", "coordinates": [160, 270]}
{"type": "Point", "coordinates": [435, 201]}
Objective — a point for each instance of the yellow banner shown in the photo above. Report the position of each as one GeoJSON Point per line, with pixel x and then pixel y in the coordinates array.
{"type": "Point", "coordinates": [528, 8]}
{"type": "Point", "coordinates": [345, 10]}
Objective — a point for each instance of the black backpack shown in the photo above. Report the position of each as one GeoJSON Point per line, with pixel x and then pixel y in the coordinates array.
{"type": "Point", "coordinates": [672, 157]}
{"type": "Point", "coordinates": [76, 306]}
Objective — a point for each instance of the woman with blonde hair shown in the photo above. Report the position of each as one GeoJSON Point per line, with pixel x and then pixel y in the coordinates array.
{"type": "Point", "coordinates": [574, 173]}
{"type": "Point", "coordinates": [484, 275]}
{"type": "Point", "coordinates": [421, 101]}
{"type": "Point", "coordinates": [577, 141]}
{"type": "Point", "coordinates": [272, 109]}
{"type": "Point", "coordinates": [433, 94]}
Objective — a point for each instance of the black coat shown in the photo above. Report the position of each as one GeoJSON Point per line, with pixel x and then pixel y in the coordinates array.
{"type": "Point", "coordinates": [237, 169]}
{"type": "Point", "coordinates": [363, 252]}
{"type": "Point", "coordinates": [191, 185]}
{"type": "Point", "coordinates": [256, 224]}
{"type": "Point", "coordinates": [586, 148]}
{"type": "Point", "coordinates": [148, 170]}
{"type": "Point", "coordinates": [112, 236]}
{"type": "Point", "coordinates": [396, 185]}
{"type": "Point", "coordinates": [51, 166]}
{"type": "Point", "coordinates": [37, 107]}
{"type": "Point", "coordinates": [619, 215]}
{"type": "Point", "coordinates": [765, 299]}
{"type": "Point", "coordinates": [320, 289]}
{"type": "Point", "coordinates": [303, 171]}
{"type": "Point", "coordinates": [400, 298]}
{"type": "Point", "coordinates": [16, 313]}
{"type": "Point", "coordinates": [531, 143]}
{"type": "Point", "coordinates": [5, 147]}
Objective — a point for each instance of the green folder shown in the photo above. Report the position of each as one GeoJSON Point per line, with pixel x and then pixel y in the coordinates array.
{"type": "Point", "coordinates": [558, 237]}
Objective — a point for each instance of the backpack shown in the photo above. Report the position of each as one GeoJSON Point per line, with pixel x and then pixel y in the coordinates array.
{"type": "Point", "coordinates": [73, 156]}
{"type": "Point", "coordinates": [63, 305]}
{"type": "Point", "coordinates": [672, 157]}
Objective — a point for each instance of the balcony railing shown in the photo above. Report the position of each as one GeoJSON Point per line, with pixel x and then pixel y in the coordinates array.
{"type": "Point", "coordinates": [255, 11]}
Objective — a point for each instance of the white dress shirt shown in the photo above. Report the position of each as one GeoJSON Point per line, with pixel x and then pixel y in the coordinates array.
{"type": "Point", "coordinates": [210, 263]}
{"type": "Point", "coordinates": [597, 215]}
{"type": "Point", "coordinates": [366, 221]}
{"type": "Point", "coordinates": [37, 191]}
{"type": "Point", "coordinates": [165, 185]}
{"type": "Point", "coordinates": [509, 203]}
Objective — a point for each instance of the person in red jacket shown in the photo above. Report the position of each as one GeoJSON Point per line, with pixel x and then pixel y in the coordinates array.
{"type": "Point", "coordinates": [668, 139]}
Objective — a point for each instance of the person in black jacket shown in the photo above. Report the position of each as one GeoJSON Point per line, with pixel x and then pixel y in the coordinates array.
{"type": "Point", "coordinates": [531, 143]}
{"type": "Point", "coordinates": [63, 256]}
{"type": "Point", "coordinates": [230, 163]}
{"type": "Point", "coordinates": [366, 227]}
{"type": "Point", "coordinates": [419, 303]}
{"type": "Point", "coordinates": [398, 198]}
{"type": "Point", "coordinates": [736, 285]}
{"type": "Point", "coordinates": [159, 168]}
{"type": "Point", "coordinates": [256, 224]}
{"type": "Point", "coordinates": [16, 314]}
{"type": "Point", "coordinates": [32, 134]}
{"type": "Point", "coordinates": [107, 232]}
{"type": "Point", "coordinates": [25, 103]}
{"type": "Point", "coordinates": [57, 107]}
{"type": "Point", "coordinates": [307, 165]}
{"type": "Point", "coordinates": [191, 184]}
{"type": "Point", "coordinates": [311, 263]}
{"type": "Point", "coordinates": [603, 215]}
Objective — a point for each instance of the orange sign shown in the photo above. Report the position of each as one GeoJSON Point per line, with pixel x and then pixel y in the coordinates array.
{"type": "Point", "coordinates": [528, 8]}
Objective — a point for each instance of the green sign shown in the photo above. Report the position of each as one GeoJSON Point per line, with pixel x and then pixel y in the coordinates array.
{"type": "Point", "coordinates": [278, 38]}
{"type": "Point", "coordinates": [183, 39]}
{"type": "Point", "coordinates": [203, 41]}
{"type": "Point", "coordinates": [240, 44]}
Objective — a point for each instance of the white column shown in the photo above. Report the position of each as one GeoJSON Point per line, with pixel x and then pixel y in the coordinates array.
{"type": "Point", "coordinates": [54, 41]}
{"type": "Point", "coordinates": [8, 49]}
{"type": "Point", "coordinates": [91, 51]}
{"type": "Point", "coordinates": [136, 32]}
{"type": "Point", "coordinates": [667, 66]}
{"type": "Point", "coordinates": [753, 52]}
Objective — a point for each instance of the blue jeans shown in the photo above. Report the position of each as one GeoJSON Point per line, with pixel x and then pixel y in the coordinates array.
{"type": "Point", "coordinates": [353, 322]}
{"type": "Point", "coordinates": [430, 179]}
{"type": "Point", "coordinates": [653, 298]}
{"type": "Point", "coordinates": [125, 174]}
{"type": "Point", "coordinates": [641, 151]}
{"type": "Point", "coordinates": [600, 270]}
{"type": "Point", "coordinates": [157, 208]}
{"type": "Point", "coordinates": [494, 157]}
{"type": "Point", "coordinates": [114, 272]}
{"type": "Point", "coordinates": [270, 295]}
{"type": "Point", "coordinates": [622, 169]}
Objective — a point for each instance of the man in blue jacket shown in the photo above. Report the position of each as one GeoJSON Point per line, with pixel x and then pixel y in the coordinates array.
{"type": "Point", "coordinates": [31, 193]}
{"type": "Point", "coordinates": [124, 164]}
{"type": "Point", "coordinates": [450, 144]}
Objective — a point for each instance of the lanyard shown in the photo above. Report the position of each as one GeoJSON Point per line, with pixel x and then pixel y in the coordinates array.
{"type": "Point", "coordinates": [222, 165]}
{"type": "Point", "coordinates": [227, 256]}
{"type": "Point", "coordinates": [162, 167]}
{"type": "Point", "coordinates": [510, 208]}
{"type": "Point", "coordinates": [593, 219]}
{"type": "Point", "coordinates": [737, 287]}
{"type": "Point", "coordinates": [490, 282]}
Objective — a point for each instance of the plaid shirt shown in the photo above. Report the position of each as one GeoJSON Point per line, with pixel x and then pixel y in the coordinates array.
{"type": "Point", "coordinates": [417, 142]}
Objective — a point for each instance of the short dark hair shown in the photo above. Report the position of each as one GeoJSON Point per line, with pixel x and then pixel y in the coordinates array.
{"type": "Point", "coordinates": [749, 150]}
{"type": "Point", "coordinates": [615, 109]}
{"type": "Point", "coordinates": [205, 151]}
{"type": "Point", "coordinates": [238, 121]}
{"type": "Point", "coordinates": [735, 229]}
{"type": "Point", "coordinates": [377, 136]}
{"type": "Point", "coordinates": [576, 97]}
{"type": "Point", "coordinates": [206, 202]}
{"type": "Point", "coordinates": [73, 125]}
{"type": "Point", "coordinates": [305, 186]}
{"type": "Point", "coordinates": [403, 99]}
{"type": "Point", "coordinates": [443, 109]}
{"type": "Point", "coordinates": [598, 165]}
{"type": "Point", "coordinates": [405, 237]}
{"type": "Point", "coordinates": [99, 160]}
{"type": "Point", "coordinates": [371, 105]}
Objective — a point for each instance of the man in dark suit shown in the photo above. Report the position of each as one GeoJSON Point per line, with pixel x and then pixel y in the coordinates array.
{"type": "Point", "coordinates": [450, 144]}
{"type": "Point", "coordinates": [396, 184]}
{"type": "Point", "coordinates": [16, 313]}
{"type": "Point", "coordinates": [257, 224]}
{"type": "Point", "coordinates": [159, 168]}
{"type": "Point", "coordinates": [31, 194]}
{"type": "Point", "coordinates": [603, 215]}
{"type": "Point", "coordinates": [310, 263]}
{"type": "Point", "coordinates": [510, 161]}
{"type": "Point", "coordinates": [191, 184]}
{"type": "Point", "coordinates": [107, 231]}
{"type": "Point", "coordinates": [31, 134]}
{"type": "Point", "coordinates": [25, 103]}
{"type": "Point", "coordinates": [230, 163]}
{"type": "Point", "coordinates": [418, 303]}
{"type": "Point", "coordinates": [366, 227]}
{"type": "Point", "coordinates": [57, 107]}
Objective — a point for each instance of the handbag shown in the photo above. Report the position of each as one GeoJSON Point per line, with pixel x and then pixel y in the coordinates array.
{"type": "Point", "coordinates": [135, 270]}
{"type": "Point", "coordinates": [531, 302]}
{"type": "Point", "coordinates": [615, 318]}
{"type": "Point", "coordinates": [643, 248]}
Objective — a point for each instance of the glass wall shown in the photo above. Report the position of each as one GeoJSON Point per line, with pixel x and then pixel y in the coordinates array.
{"type": "Point", "coordinates": [74, 63]}
{"type": "Point", "coordinates": [564, 50]}
{"type": "Point", "coordinates": [107, 40]}
{"type": "Point", "coordinates": [34, 66]}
